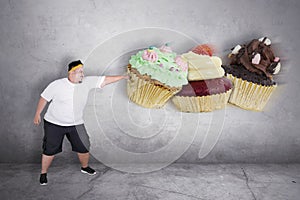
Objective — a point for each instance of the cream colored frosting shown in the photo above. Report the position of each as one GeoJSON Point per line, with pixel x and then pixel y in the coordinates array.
{"type": "Point", "coordinates": [203, 67]}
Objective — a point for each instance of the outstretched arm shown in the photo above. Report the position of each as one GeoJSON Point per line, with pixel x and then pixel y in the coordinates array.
{"type": "Point", "coordinates": [40, 107]}
{"type": "Point", "coordinates": [112, 79]}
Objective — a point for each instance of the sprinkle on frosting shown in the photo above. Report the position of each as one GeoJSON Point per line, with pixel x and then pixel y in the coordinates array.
{"type": "Point", "coordinates": [265, 40]}
{"type": "Point", "coordinates": [165, 48]}
{"type": "Point", "coordinates": [236, 49]}
{"type": "Point", "coordinates": [181, 63]}
{"type": "Point", "coordinates": [256, 59]}
{"type": "Point", "coordinates": [150, 55]}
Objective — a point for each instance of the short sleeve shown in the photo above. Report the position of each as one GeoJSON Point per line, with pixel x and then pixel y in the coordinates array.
{"type": "Point", "coordinates": [48, 92]}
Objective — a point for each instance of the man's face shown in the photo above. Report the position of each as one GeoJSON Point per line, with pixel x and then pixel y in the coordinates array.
{"type": "Point", "coordinates": [78, 75]}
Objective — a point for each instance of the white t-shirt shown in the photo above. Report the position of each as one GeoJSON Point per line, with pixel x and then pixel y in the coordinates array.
{"type": "Point", "coordinates": [68, 99]}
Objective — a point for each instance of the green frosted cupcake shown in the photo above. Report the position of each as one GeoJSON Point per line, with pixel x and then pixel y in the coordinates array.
{"type": "Point", "coordinates": [156, 74]}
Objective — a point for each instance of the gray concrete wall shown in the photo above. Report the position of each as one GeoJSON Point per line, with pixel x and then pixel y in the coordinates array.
{"type": "Point", "coordinates": [39, 38]}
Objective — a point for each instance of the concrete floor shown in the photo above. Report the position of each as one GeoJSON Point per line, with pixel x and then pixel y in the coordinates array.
{"type": "Point", "coordinates": [177, 181]}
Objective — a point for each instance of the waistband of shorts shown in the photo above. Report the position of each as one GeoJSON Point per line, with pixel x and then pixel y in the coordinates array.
{"type": "Point", "coordinates": [50, 123]}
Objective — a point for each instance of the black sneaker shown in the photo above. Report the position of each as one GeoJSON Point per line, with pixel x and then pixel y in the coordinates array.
{"type": "Point", "coordinates": [88, 170]}
{"type": "Point", "coordinates": [43, 179]}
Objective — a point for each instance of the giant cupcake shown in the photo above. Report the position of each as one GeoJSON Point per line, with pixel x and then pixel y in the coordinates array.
{"type": "Point", "coordinates": [156, 74]}
{"type": "Point", "coordinates": [207, 89]}
{"type": "Point", "coordinates": [251, 70]}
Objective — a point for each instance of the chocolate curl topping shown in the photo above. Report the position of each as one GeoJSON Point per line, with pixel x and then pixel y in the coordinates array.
{"type": "Point", "coordinates": [266, 64]}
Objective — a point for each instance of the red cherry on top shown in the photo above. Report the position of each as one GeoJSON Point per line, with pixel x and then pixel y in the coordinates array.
{"type": "Point", "coordinates": [204, 49]}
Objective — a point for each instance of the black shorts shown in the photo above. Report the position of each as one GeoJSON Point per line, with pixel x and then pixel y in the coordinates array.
{"type": "Point", "coordinates": [54, 136]}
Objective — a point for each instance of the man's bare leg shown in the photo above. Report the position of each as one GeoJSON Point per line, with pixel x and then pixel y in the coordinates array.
{"type": "Point", "coordinates": [84, 159]}
{"type": "Point", "coordinates": [46, 162]}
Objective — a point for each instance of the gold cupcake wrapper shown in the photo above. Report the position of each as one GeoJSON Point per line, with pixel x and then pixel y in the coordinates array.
{"type": "Point", "coordinates": [201, 103]}
{"type": "Point", "coordinates": [248, 95]}
{"type": "Point", "coordinates": [146, 93]}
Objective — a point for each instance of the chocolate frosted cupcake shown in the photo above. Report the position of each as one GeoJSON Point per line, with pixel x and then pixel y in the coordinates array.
{"type": "Point", "coordinates": [251, 68]}
{"type": "Point", "coordinates": [208, 89]}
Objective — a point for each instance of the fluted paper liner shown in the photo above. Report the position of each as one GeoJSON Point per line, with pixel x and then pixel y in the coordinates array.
{"type": "Point", "coordinates": [146, 92]}
{"type": "Point", "coordinates": [248, 95]}
{"type": "Point", "coordinates": [201, 103]}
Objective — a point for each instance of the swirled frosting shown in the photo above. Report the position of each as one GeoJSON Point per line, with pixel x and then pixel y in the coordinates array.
{"type": "Point", "coordinates": [164, 66]}
{"type": "Point", "coordinates": [257, 57]}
